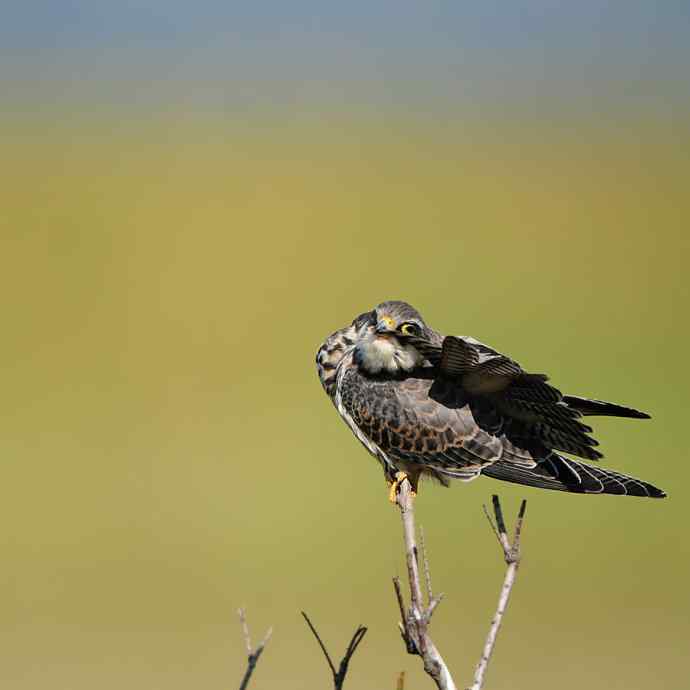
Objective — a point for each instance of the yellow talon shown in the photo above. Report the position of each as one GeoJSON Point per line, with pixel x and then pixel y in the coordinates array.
{"type": "Point", "coordinates": [393, 493]}
{"type": "Point", "coordinates": [399, 478]}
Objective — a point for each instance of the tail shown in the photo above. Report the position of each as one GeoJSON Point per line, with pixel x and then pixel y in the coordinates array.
{"type": "Point", "coordinates": [602, 408]}
{"type": "Point", "coordinates": [561, 474]}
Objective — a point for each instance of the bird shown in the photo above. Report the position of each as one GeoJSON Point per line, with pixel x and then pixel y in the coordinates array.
{"type": "Point", "coordinates": [449, 407]}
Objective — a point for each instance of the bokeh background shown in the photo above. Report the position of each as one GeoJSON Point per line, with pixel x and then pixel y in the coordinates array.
{"type": "Point", "coordinates": [195, 194]}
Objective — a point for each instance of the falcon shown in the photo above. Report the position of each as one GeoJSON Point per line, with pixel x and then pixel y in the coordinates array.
{"type": "Point", "coordinates": [450, 407]}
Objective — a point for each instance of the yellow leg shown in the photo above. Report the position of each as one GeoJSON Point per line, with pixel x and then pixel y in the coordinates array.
{"type": "Point", "coordinates": [399, 478]}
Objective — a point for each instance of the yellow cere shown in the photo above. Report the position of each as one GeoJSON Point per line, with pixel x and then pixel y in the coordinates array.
{"type": "Point", "coordinates": [388, 321]}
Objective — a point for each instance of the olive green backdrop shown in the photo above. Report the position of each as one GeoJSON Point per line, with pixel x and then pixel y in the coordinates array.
{"type": "Point", "coordinates": [168, 454]}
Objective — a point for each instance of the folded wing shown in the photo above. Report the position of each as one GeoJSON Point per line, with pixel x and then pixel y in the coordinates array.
{"type": "Point", "coordinates": [532, 410]}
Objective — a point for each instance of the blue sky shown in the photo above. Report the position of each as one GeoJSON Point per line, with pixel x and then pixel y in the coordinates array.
{"type": "Point", "coordinates": [399, 51]}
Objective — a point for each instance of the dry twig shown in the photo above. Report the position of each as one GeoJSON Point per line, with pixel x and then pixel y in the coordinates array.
{"type": "Point", "coordinates": [341, 672]}
{"type": "Point", "coordinates": [414, 627]}
{"type": "Point", "coordinates": [511, 554]}
{"type": "Point", "coordinates": [252, 654]}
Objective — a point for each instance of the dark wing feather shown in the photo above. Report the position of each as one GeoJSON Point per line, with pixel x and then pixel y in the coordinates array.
{"type": "Point", "coordinates": [534, 388]}
{"type": "Point", "coordinates": [564, 474]}
{"type": "Point", "coordinates": [554, 424]}
{"type": "Point", "coordinates": [461, 357]}
{"type": "Point", "coordinates": [602, 408]}
{"type": "Point", "coordinates": [532, 409]}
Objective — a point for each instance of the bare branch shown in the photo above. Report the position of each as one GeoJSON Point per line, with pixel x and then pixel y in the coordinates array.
{"type": "Point", "coordinates": [491, 522]}
{"type": "Point", "coordinates": [245, 630]}
{"type": "Point", "coordinates": [400, 685]}
{"type": "Point", "coordinates": [433, 604]}
{"type": "Point", "coordinates": [511, 554]}
{"type": "Point", "coordinates": [415, 622]}
{"type": "Point", "coordinates": [252, 656]}
{"type": "Point", "coordinates": [410, 645]}
{"type": "Point", "coordinates": [498, 512]}
{"type": "Point", "coordinates": [321, 644]}
{"type": "Point", "coordinates": [425, 562]}
{"type": "Point", "coordinates": [341, 673]}
{"type": "Point", "coordinates": [518, 524]}
{"type": "Point", "coordinates": [500, 523]}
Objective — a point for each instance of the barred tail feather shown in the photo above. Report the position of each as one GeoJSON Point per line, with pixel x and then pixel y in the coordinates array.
{"type": "Point", "coordinates": [563, 474]}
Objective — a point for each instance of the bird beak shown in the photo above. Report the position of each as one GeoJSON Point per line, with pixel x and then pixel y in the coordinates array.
{"type": "Point", "coordinates": [385, 325]}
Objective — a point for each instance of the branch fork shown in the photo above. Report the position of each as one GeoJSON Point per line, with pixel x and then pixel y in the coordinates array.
{"type": "Point", "coordinates": [252, 654]}
{"type": "Point", "coordinates": [415, 620]}
{"type": "Point", "coordinates": [341, 672]}
{"type": "Point", "coordinates": [511, 555]}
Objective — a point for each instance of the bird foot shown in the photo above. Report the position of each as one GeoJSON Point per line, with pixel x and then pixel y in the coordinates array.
{"type": "Point", "coordinates": [400, 477]}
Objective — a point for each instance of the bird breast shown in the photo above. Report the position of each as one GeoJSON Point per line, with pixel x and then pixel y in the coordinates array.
{"type": "Point", "coordinates": [386, 354]}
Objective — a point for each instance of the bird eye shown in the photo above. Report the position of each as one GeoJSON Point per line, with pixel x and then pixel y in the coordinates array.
{"type": "Point", "coordinates": [410, 328]}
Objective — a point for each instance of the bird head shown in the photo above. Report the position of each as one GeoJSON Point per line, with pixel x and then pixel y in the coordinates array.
{"type": "Point", "coordinates": [386, 336]}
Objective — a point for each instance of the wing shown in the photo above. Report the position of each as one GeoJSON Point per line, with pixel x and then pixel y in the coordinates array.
{"type": "Point", "coordinates": [403, 420]}
{"type": "Point", "coordinates": [463, 356]}
{"type": "Point", "coordinates": [532, 411]}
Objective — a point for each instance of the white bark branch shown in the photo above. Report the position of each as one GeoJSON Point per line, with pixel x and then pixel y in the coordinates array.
{"type": "Point", "coordinates": [414, 627]}
{"type": "Point", "coordinates": [511, 554]}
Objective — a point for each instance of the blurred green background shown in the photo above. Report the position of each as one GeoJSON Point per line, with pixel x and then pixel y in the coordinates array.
{"type": "Point", "coordinates": [169, 270]}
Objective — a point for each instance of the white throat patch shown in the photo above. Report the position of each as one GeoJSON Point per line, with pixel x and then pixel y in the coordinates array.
{"type": "Point", "coordinates": [376, 354]}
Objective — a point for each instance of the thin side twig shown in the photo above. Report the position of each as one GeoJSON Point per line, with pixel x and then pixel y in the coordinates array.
{"type": "Point", "coordinates": [410, 645]}
{"type": "Point", "coordinates": [414, 627]}
{"type": "Point", "coordinates": [252, 655]}
{"type": "Point", "coordinates": [511, 555]}
{"type": "Point", "coordinates": [425, 561]}
{"type": "Point", "coordinates": [339, 674]}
